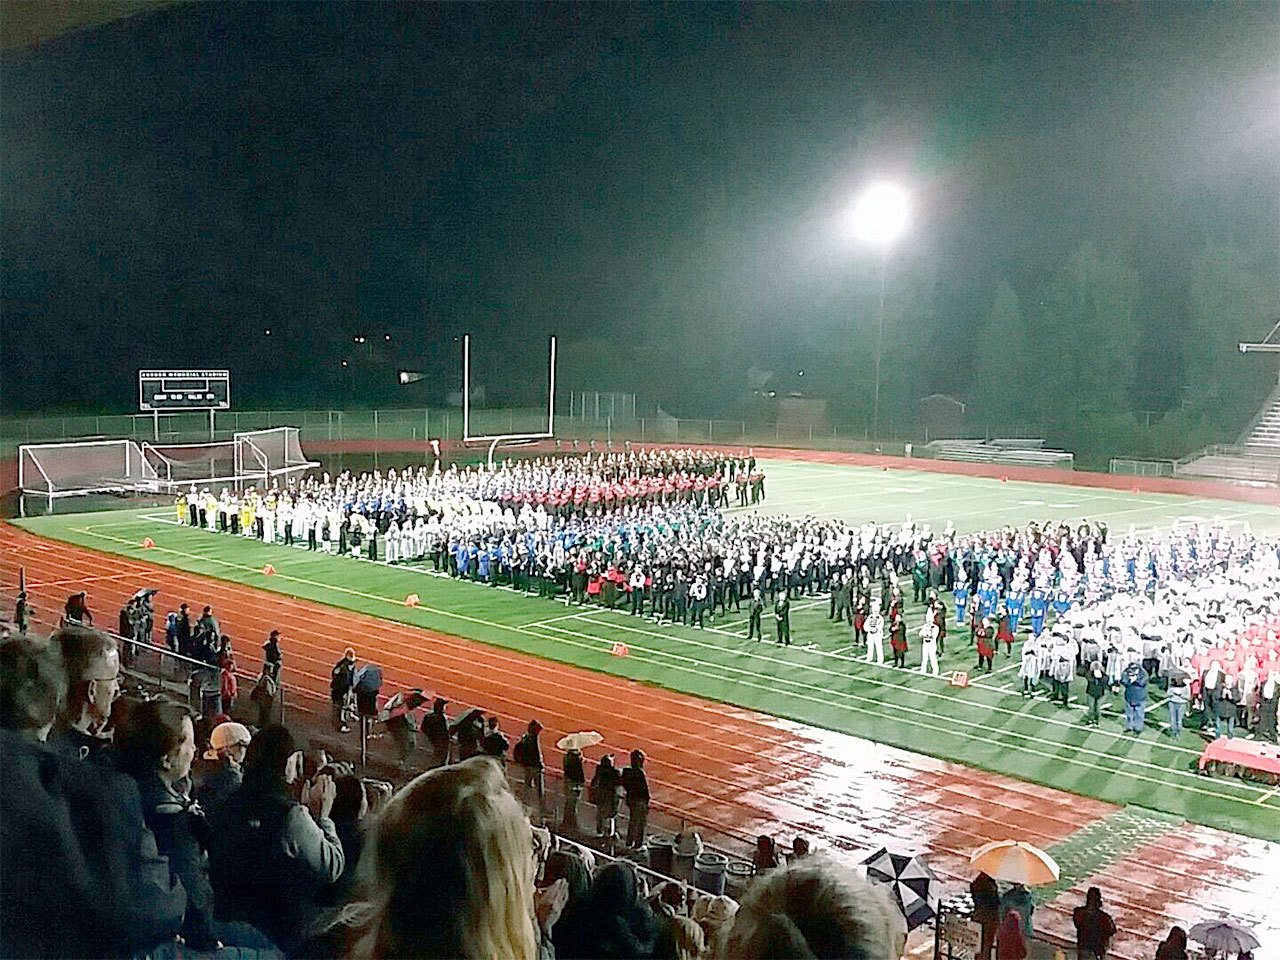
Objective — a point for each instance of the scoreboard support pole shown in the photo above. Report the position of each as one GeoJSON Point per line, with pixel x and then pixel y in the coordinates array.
{"type": "Point", "coordinates": [155, 433]}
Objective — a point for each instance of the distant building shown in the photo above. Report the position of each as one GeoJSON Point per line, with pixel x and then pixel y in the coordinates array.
{"type": "Point", "coordinates": [940, 417]}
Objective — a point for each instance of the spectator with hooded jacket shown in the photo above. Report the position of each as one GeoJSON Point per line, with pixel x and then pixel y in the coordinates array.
{"type": "Point", "coordinates": [271, 858]}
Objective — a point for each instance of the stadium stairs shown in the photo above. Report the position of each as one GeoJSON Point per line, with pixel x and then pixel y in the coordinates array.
{"type": "Point", "coordinates": [1254, 461]}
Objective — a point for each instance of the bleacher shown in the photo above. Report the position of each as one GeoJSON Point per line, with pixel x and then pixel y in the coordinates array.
{"type": "Point", "coordinates": [1255, 461]}
{"type": "Point", "coordinates": [1007, 452]}
{"type": "Point", "coordinates": [1264, 434]}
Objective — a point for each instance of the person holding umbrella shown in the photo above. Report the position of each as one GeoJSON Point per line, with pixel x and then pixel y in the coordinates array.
{"type": "Point", "coordinates": [1022, 865]}
{"type": "Point", "coordinates": [575, 776]}
{"type": "Point", "coordinates": [985, 894]}
{"type": "Point", "coordinates": [367, 683]}
{"type": "Point", "coordinates": [470, 731]}
{"type": "Point", "coordinates": [400, 722]}
{"type": "Point", "coordinates": [1224, 938]}
{"type": "Point", "coordinates": [1018, 900]}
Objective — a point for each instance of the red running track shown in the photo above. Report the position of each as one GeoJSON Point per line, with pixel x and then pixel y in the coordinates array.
{"type": "Point", "coordinates": [732, 771]}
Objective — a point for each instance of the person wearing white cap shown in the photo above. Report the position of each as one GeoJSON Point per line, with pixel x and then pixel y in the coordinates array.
{"type": "Point", "coordinates": [219, 773]}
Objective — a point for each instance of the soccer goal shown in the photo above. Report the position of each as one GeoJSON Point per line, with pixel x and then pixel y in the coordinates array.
{"type": "Point", "coordinates": [81, 467]}
{"type": "Point", "coordinates": [272, 453]}
{"type": "Point", "coordinates": [514, 438]}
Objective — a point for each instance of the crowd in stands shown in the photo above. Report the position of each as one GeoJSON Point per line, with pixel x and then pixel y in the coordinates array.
{"type": "Point", "coordinates": [121, 837]}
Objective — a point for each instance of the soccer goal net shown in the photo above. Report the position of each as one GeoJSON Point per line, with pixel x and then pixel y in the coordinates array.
{"type": "Point", "coordinates": [193, 463]}
{"type": "Point", "coordinates": [76, 468]}
{"type": "Point", "coordinates": [82, 467]}
{"type": "Point", "coordinates": [272, 453]}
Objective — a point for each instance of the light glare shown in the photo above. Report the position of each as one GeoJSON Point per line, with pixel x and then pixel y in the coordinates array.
{"type": "Point", "coordinates": [880, 214]}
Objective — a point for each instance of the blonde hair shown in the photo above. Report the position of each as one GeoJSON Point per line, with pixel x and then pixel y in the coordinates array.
{"type": "Point", "coordinates": [814, 907]}
{"type": "Point", "coordinates": [691, 942]}
{"type": "Point", "coordinates": [449, 870]}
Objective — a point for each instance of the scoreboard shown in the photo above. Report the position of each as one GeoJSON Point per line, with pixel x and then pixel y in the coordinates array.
{"type": "Point", "coordinates": [160, 390]}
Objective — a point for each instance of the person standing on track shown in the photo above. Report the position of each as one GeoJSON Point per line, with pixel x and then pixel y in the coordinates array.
{"type": "Point", "coordinates": [341, 683]}
{"type": "Point", "coordinates": [435, 730]}
{"type": "Point", "coordinates": [272, 658]}
{"type": "Point", "coordinates": [635, 785]}
{"type": "Point", "coordinates": [528, 756]}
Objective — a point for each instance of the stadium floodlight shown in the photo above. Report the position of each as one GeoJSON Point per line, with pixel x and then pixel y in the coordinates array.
{"type": "Point", "coordinates": [880, 215]}
{"type": "Point", "coordinates": [879, 218]}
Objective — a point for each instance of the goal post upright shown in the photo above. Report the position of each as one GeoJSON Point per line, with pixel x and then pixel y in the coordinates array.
{"type": "Point", "coordinates": [495, 438]}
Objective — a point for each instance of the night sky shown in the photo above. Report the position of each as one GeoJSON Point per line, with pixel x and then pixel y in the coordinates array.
{"type": "Point", "coordinates": [662, 185]}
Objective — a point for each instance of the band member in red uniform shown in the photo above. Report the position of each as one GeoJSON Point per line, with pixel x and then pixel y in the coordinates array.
{"type": "Point", "coordinates": [986, 652]}
{"type": "Point", "coordinates": [898, 637]}
{"type": "Point", "coordinates": [1004, 632]}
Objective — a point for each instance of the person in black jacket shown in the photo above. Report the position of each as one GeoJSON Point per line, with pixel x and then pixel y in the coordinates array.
{"type": "Point", "coordinates": [435, 730]}
{"type": "Point", "coordinates": [636, 786]}
{"type": "Point", "coordinates": [183, 630]}
{"type": "Point", "coordinates": [271, 655]}
{"type": "Point", "coordinates": [575, 779]}
{"type": "Point", "coordinates": [528, 754]}
{"type": "Point", "coordinates": [341, 682]}
{"type": "Point", "coordinates": [604, 794]}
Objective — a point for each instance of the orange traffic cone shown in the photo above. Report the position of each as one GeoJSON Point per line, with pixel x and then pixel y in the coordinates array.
{"type": "Point", "coordinates": [147, 543]}
{"type": "Point", "coordinates": [412, 600]}
{"type": "Point", "coordinates": [268, 571]}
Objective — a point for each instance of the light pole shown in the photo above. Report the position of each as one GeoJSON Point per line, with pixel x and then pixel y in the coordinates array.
{"type": "Point", "coordinates": [879, 217]}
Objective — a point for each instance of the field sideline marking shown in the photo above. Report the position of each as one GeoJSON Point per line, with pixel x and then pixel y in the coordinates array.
{"type": "Point", "coordinates": [91, 531]}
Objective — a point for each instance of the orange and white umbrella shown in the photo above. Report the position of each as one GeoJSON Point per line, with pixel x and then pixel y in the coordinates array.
{"type": "Point", "coordinates": [1015, 862]}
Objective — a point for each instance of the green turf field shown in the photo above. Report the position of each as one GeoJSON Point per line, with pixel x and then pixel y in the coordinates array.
{"type": "Point", "coordinates": [820, 680]}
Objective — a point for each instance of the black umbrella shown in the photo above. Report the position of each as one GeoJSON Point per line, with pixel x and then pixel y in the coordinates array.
{"type": "Point", "coordinates": [368, 678]}
{"type": "Point", "coordinates": [914, 887]}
